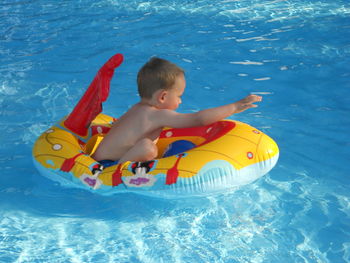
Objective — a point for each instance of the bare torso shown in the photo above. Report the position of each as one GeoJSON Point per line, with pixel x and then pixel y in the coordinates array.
{"type": "Point", "coordinates": [134, 125]}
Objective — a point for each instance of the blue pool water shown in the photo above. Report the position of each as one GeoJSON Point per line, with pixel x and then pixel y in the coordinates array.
{"type": "Point", "coordinates": [296, 53]}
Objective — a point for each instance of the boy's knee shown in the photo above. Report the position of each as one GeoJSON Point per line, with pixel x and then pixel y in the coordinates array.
{"type": "Point", "coordinates": [151, 150]}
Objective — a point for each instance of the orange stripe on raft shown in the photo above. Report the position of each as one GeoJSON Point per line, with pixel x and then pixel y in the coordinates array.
{"type": "Point", "coordinates": [173, 173]}
{"type": "Point", "coordinates": [69, 163]}
{"type": "Point", "coordinates": [117, 176]}
{"type": "Point", "coordinates": [99, 129]}
{"type": "Point", "coordinates": [209, 133]}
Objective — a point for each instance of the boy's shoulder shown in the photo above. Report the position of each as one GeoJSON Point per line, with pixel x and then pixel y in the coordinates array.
{"type": "Point", "coordinates": [152, 113]}
{"type": "Point", "coordinates": [144, 109]}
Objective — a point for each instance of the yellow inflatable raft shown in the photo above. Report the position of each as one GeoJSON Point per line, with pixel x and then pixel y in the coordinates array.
{"type": "Point", "coordinates": [226, 154]}
{"type": "Point", "coordinates": [222, 155]}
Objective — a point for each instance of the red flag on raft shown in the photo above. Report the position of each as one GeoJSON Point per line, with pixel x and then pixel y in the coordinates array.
{"type": "Point", "coordinates": [90, 105]}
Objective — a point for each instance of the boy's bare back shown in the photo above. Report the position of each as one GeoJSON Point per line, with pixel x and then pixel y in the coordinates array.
{"type": "Point", "coordinates": [134, 125]}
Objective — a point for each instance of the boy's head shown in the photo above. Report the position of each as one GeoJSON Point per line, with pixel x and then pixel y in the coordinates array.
{"type": "Point", "coordinates": [155, 75]}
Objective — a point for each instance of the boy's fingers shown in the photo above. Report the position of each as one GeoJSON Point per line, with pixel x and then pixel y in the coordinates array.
{"type": "Point", "coordinates": [254, 98]}
{"type": "Point", "coordinates": [257, 98]}
{"type": "Point", "coordinates": [248, 106]}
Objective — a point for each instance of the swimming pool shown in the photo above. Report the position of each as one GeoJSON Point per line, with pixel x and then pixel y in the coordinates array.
{"type": "Point", "coordinates": [295, 53]}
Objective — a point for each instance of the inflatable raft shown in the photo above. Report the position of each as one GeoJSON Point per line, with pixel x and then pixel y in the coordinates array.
{"type": "Point", "coordinates": [191, 161]}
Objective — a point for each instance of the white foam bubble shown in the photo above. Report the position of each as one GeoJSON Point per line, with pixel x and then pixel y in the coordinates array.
{"type": "Point", "coordinates": [5, 89]}
{"type": "Point", "coordinates": [247, 63]}
{"type": "Point", "coordinates": [262, 79]}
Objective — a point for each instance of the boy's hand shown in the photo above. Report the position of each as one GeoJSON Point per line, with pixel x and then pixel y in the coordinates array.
{"type": "Point", "coordinates": [247, 103]}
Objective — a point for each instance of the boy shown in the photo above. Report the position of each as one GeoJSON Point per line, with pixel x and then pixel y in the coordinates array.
{"type": "Point", "coordinates": [160, 85]}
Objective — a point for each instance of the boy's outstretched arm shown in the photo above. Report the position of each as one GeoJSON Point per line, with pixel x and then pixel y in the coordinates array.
{"type": "Point", "coordinates": [208, 116]}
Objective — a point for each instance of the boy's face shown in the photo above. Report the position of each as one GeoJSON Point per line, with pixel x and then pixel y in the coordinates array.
{"type": "Point", "coordinates": [172, 98]}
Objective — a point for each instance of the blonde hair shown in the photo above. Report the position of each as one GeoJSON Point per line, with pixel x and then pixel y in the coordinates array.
{"type": "Point", "coordinates": [156, 74]}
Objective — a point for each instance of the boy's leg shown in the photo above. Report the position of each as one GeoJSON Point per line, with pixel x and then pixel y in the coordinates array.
{"type": "Point", "coordinates": [143, 150]}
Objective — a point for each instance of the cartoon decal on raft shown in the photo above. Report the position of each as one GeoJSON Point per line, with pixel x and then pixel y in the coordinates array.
{"type": "Point", "coordinates": [141, 176]}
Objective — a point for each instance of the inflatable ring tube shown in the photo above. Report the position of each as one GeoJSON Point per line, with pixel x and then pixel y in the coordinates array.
{"type": "Point", "coordinates": [226, 154]}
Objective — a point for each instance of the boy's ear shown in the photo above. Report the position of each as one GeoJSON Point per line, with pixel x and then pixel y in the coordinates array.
{"type": "Point", "coordinates": [162, 95]}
